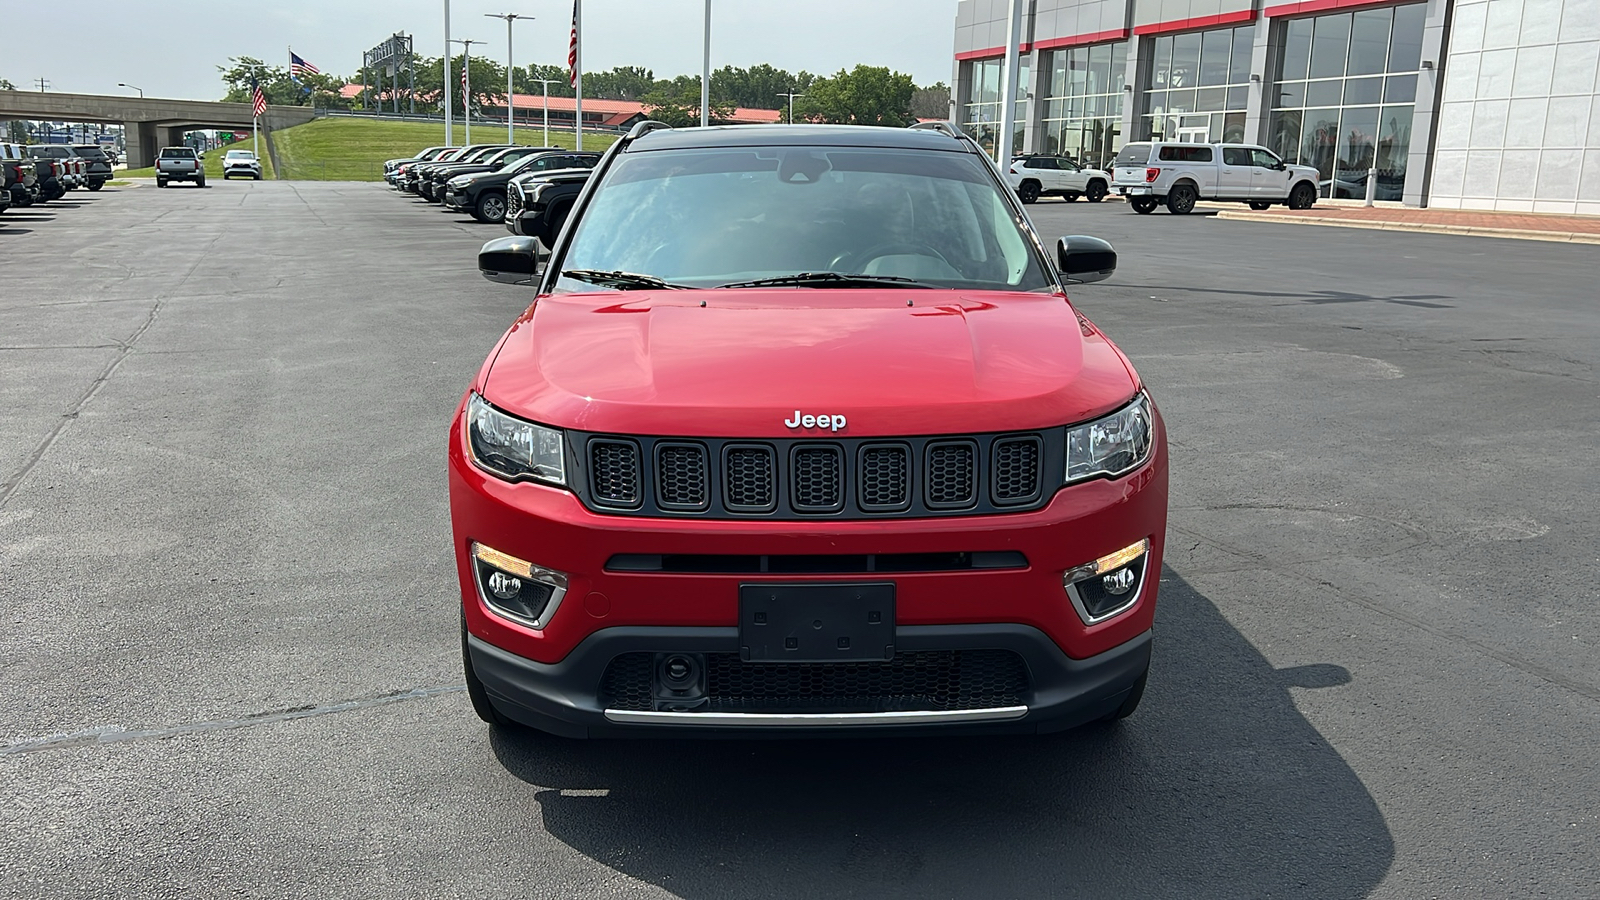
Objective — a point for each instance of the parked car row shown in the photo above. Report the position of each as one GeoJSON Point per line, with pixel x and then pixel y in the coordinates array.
{"type": "Point", "coordinates": [39, 173]}
{"type": "Point", "coordinates": [478, 179]}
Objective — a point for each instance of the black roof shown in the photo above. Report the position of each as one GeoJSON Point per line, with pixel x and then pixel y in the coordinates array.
{"type": "Point", "coordinates": [798, 136]}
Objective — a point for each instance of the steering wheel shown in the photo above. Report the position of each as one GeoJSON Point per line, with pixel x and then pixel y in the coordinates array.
{"type": "Point", "coordinates": [858, 260]}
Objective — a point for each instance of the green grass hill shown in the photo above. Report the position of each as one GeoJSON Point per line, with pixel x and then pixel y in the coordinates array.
{"type": "Point", "coordinates": [351, 149]}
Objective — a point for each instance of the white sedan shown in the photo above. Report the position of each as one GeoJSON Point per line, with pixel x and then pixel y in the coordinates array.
{"type": "Point", "coordinates": [241, 162]}
{"type": "Point", "coordinates": [1033, 177]}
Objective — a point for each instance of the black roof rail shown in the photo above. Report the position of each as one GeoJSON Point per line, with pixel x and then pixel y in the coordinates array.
{"type": "Point", "coordinates": [643, 128]}
{"type": "Point", "coordinates": [949, 128]}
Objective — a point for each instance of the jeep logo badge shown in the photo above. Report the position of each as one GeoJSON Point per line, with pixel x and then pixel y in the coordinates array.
{"type": "Point", "coordinates": [834, 423]}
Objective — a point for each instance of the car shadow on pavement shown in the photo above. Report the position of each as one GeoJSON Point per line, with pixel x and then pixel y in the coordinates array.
{"type": "Point", "coordinates": [1216, 787]}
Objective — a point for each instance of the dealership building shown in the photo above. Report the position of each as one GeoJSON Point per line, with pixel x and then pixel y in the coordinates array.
{"type": "Point", "coordinates": [1465, 104]}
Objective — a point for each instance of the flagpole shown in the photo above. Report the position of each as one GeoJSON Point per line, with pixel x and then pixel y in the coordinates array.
{"type": "Point", "coordinates": [449, 131]}
{"type": "Point", "coordinates": [705, 81]}
{"type": "Point", "coordinates": [577, 69]}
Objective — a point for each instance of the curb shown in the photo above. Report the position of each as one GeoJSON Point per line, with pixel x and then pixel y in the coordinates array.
{"type": "Point", "coordinates": [1558, 237]}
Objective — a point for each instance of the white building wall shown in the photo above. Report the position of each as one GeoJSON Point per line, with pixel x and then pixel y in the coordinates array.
{"type": "Point", "coordinates": [1519, 125]}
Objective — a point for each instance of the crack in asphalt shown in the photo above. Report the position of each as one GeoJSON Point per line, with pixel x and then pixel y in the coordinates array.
{"type": "Point", "coordinates": [10, 485]}
{"type": "Point", "coordinates": [115, 734]}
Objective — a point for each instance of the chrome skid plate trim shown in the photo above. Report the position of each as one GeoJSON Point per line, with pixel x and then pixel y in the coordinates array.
{"type": "Point", "coordinates": [816, 720]}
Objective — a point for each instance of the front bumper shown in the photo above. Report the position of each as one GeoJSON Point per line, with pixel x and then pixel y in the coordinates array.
{"type": "Point", "coordinates": [457, 199]}
{"type": "Point", "coordinates": [564, 698]}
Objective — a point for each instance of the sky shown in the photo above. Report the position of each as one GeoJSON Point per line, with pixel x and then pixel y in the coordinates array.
{"type": "Point", "coordinates": [171, 48]}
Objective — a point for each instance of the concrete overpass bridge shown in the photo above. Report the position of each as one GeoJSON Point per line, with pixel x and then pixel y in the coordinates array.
{"type": "Point", "coordinates": [150, 123]}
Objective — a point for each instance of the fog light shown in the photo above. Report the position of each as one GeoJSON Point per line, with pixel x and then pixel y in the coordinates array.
{"type": "Point", "coordinates": [504, 586]}
{"type": "Point", "coordinates": [515, 588]}
{"type": "Point", "coordinates": [1119, 582]}
{"type": "Point", "coordinates": [1108, 586]}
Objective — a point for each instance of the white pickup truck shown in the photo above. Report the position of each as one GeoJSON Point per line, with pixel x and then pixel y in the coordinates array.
{"type": "Point", "coordinates": [179, 164]}
{"type": "Point", "coordinates": [1149, 174]}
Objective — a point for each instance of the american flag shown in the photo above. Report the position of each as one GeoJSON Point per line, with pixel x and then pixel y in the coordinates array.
{"type": "Point", "coordinates": [258, 103]}
{"type": "Point", "coordinates": [298, 67]}
{"type": "Point", "coordinates": [572, 49]}
{"type": "Point", "coordinates": [466, 98]}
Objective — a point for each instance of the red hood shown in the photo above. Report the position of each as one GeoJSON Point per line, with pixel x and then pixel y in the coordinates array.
{"type": "Point", "coordinates": [660, 363]}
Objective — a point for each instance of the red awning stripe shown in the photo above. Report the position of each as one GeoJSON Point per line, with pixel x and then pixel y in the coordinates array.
{"type": "Point", "coordinates": [1232, 18]}
{"type": "Point", "coordinates": [991, 52]}
{"type": "Point", "coordinates": [1078, 40]}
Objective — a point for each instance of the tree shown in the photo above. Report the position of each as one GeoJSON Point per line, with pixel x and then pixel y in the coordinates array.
{"type": "Point", "coordinates": [6, 85]}
{"type": "Point", "coordinates": [867, 95]}
{"type": "Point", "coordinates": [677, 103]}
{"type": "Point", "coordinates": [931, 102]}
{"type": "Point", "coordinates": [621, 83]}
{"type": "Point", "coordinates": [560, 81]}
{"type": "Point", "coordinates": [758, 87]}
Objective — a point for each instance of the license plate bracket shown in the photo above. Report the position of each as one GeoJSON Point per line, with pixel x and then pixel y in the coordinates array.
{"type": "Point", "coordinates": [816, 622]}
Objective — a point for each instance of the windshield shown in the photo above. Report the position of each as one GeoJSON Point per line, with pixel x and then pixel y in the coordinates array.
{"type": "Point", "coordinates": [240, 154]}
{"type": "Point", "coordinates": [709, 217]}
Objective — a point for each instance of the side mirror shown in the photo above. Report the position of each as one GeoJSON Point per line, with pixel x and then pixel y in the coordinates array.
{"type": "Point", "coordinates": [510, 260]}
{"type": "Point", "coordinates": [1084, 259]}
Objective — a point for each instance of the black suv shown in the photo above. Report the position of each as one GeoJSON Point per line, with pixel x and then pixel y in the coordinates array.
{"type": "Point", "coordinates": [537, 205]}
{"type": "Point", "coordinates": [484, 194]}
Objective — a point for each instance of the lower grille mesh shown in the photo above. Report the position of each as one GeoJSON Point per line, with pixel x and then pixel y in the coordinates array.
{"type": "Point", "coordinates": [912, 681]}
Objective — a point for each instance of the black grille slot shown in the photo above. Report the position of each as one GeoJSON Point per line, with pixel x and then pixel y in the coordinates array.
{"type": "Point", "coordinates": [750, 482]}
{"type": "Point", "coordinates": [627, 683]}
{"type": "Point", "coordinates": [817, 478]}
{"type": "Point", "coordinates": [885, 477]}
{"type": "Point", "coordinates": [952, 475]}
{"type": "Point", "coordinates": [916, 680]}
{"type": "Point", "coordinates": [682, 480]}
{"type": "Point", "coordinates": [1014, 469]}
{"type": "Point", "coordinates": [614, 472]}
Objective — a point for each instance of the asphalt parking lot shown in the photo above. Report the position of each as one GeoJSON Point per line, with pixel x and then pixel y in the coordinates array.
{"type": "Point", "coordinates": [228, 649]}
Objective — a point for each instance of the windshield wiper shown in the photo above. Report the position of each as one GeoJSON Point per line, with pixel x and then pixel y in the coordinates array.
{"type": "Point", "coordinates": [622, 281]}
{"type": "Point", "coordinates": [830, 279]}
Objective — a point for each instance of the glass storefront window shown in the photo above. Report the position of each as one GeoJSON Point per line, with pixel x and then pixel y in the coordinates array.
{"type": "Point", "coordinates": [1347, 117]}
{"type": "Point", "coordinates": [1199, 85]}
{"type": "Point", "coordinates": [981, 118]}
{"type": "Point", "coordinates": [1083, 115]}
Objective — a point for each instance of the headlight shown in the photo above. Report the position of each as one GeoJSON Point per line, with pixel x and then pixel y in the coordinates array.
{"type": "Point", "coordinates": [1110, 446]}
{"type": "Point", "coordinates": [512, 448]}
{"type": "Point", "coordinates": [460, 181]}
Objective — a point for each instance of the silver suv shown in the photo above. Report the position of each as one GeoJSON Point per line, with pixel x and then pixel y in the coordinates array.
{"type": "Point", "coordinates": [1152, 173]}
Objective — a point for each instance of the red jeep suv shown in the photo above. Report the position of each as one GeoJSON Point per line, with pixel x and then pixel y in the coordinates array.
{"type": "Point", "coordinates": [802, 435]}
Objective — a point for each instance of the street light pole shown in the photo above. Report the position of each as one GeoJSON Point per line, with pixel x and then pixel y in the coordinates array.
{"type": "Point", "coordinates": [511, 113]}
{"type": "Point", "coordinates": [449, 128]}
{"type": "Point", "coordinates": [546, 82]}
{"type": "Point", "coordinates": [705, 82]}
{"type": "Point", "coordinates": [466, 84]}
{"type": "Point", "coordinates": [132, 88]}
{"type": "Point", "coordinates": [791, 95]}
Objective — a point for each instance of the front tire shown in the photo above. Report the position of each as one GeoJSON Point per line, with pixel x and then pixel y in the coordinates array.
{"type": "Point", "coordinates": [1144, 206]}
{"type": "Point", "coordinates": [490, 208]}
{"type": "Point", "coordinates": [1181, 199]}
{"type": "Point", "coordinates": [1096, 192]}
{"type": "Point", "coordinates": [161, 182]}
{"type": "Point", "coordinates": [1259, 205]}
{"type": "Point", "coordinates": [96, 185]}
{"type": "Point", "coordinates": [1028, 191]}
{"type": "Point", "coordinates": [1304, 196]}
